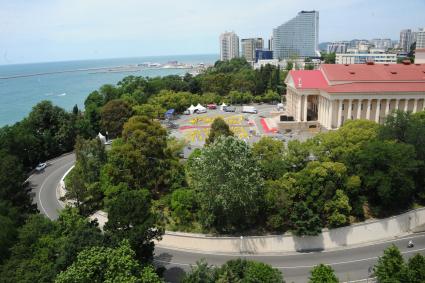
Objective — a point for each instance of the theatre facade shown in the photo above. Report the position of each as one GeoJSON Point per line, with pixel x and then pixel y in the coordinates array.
{"type": "Point", "coordinates": [334, 93]}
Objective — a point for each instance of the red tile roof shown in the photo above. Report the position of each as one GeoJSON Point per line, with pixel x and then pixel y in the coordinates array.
{"type": "Point", "coordinates": [360, 78]}
{"type": "Point", "coordinates": [305, 79]}
{"type": "Point", "coordinates": [377, 72]}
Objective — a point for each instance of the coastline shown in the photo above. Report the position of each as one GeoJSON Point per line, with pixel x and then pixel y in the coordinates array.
{"type": "Point", "coordinates": [113, 69]}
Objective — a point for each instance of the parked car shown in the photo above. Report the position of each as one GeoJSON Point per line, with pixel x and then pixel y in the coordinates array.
{"type": "Point", "coordinates": [186, 112]}
{"type": "Point", "coordinates": [212, 106]}
{"type": "Point", "coordinates": [200, 111]}
{"type": "Point", "coordinates": [249, 109]}
{"type": "Point", "coordinates": [40, 167]}
{"type": "Point", "coordinates": [229, 109]}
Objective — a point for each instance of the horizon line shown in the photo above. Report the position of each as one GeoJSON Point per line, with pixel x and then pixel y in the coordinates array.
{"type": "Point", "coordinates": [105, 58]}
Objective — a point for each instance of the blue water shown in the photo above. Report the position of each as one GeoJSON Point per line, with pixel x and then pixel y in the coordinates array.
{"type": "Point", "coordinates": [19, 95]}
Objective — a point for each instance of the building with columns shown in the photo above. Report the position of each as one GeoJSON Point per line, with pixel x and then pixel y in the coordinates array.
{"type": "Point", "coordinates": [337, 93]}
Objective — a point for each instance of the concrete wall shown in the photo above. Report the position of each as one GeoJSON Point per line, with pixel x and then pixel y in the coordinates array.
{"type": "Point", "coordinates": [371, 231]}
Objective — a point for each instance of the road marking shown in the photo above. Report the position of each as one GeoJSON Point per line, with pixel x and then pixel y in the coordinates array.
{"type": "Point", "coordinates": [300, 266]}
{"type": "Point", "coordinates": [44, 183]}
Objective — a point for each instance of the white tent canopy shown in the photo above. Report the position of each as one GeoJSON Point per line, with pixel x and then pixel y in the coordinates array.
{"type": "Point", "coordinates": [191, 109]}
{"type": "Point", "coordinates": [200, 107]}
{"type": "Point", "coordinates": [102, 138]}
{"type": "Point", "coordinates": [222, 106]}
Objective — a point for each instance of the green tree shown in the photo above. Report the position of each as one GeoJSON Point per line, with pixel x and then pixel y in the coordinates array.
{"type": "Point", "coordinates": [152, 111]}
{"type": "Point", "coordinates": [139, 159]}
{"type": "Point", "coordinates": [323, 273]}
{"type": "Point", "coordinates": [183, 205]}
{"type": "Point", "coordinates": [391, 266]}
{"type": "Point", "coordinates": [130, 217]}
{"type": "Point", "coordinates": [83, 181]}
{"type": "Point", "coordinates": [113, 116]}
{"type": "Point", "coordinates": [201, 272]}
{"type": "Point", "coordinates": [218, 128]}
{"type": "Point", "coordinates": [338, 210]}
{"type": "Point", "coordinates": [270, 153]}
{"type": "Point", "coordinates": [100, 264]}
{"type": "Point", "coordinates": [305, 222]}
{"type": "Point", "coordinates": [387, 171]}
{"type": "Point", "coordinates": [218, 175]}
{"type": "Point", "coordinates": [416, 266]}
{"type": "Point", "coordinates": [261, 272]}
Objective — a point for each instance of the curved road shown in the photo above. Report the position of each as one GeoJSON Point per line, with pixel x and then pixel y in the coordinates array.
{"type": "Point", "coordinates": [350, 264]}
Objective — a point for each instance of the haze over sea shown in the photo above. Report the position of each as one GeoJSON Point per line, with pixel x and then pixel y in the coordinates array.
{"type": "Point", "coordinates": [19, 95]}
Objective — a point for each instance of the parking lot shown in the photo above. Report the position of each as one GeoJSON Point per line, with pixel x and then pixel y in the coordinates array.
{"type": "Point", "coordinates": [194, 129]}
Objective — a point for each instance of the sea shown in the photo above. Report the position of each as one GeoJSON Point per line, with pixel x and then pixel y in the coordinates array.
{"type": "Point", "coordinates": [19, 93]}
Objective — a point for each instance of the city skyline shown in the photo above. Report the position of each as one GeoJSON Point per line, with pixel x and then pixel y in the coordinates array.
{"type": "Point", "coordinates": [59, 30]}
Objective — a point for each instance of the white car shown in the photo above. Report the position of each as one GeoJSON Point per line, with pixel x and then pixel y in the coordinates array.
{"type": "Point", "coordinates": [40, 167]}
{"type": "Point", "coordinates": [200, 111]}
{"type": "Point", "coordinates": [249, 109]}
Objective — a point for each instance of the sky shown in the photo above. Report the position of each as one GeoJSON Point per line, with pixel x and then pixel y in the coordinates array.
{"type": "Point", "coordinates": [60, 30]}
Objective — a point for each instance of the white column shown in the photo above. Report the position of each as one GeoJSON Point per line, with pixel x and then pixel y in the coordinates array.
{"type": "Point", "coordinates": [330, 114]}
{"type": "Point", "coordinates": [415, 106]}
{"type": "Point", "coordinates": [368, 109]}
{"type": "Point", "coordinates": [387, 107]}
{"type": "Point", "coordinates": [359, 108]}
{"type": "Point", "coordinates": [325, 112]}
{"type": "Point", "coordinates": [320, 109]}
{"type": "Point", "coordinates": [406, 104]}
{"type": "Point", "coordinates": [339, 113]}
{"type": "Point", "coordinates": [378, 110]}
{"type": "Point", "coordinates": [305, 108]}
{"type": "Point", "coordinates": [299, 97]}
{"type": "Point", "coordinates": [397, 103]}
{"type": "Point", "coordinates": [350, 105]}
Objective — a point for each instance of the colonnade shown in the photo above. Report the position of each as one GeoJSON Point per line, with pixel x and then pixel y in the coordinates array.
{"type": "Point", "coordinates": [334, 111]}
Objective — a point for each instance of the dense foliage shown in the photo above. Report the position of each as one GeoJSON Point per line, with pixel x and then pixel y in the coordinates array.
{"type": "Point", "coordinates": [391, 267]}
{"type": "Point", "coordinates": [238, 270]}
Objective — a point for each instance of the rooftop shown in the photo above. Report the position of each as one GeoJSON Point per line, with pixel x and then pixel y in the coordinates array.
{"type": "Point", "coordinates": [358, 78]}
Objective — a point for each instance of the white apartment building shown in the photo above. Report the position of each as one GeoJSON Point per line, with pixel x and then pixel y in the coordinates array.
{"type": "Point", "coordinates": [382, 43]}
{"type": "Point", "coordinates": [420, 39]}
{"type": "Point", "coordinates": [361, 58]}
{"type": "Point", "coordinates": [298, 37]}
{"type": "Point", "coordinates": [229, 46]}
{"type": "Point", "coordinates": [337, 47]}
{"type": "Point", "coordinates": [406, 39]}
{"type": "Point", "coordinates": [337, 93]}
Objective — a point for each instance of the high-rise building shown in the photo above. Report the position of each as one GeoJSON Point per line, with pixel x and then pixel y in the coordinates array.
{"type": "Point", "coordinates": [405, 40]}
{"type": "Point", "coordinates": [420, 38]}
{"type": "Point", "coordinates": [249, 45]}
{"type": "Point", "coordinates": [270, 45]}
{"type": "Point", "coordinates": [338, 47]}
{"type": "Point", "coordinates": [382, 43]}
{"type": "Point", "coordinates": [229, 46]}
{"type": "Point", "coordinates": [298, 37]}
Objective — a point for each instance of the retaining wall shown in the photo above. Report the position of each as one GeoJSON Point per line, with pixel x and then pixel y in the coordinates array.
{"type": "Point", "coordinates": [356, 234]}
{"type": "Point", "coordinates": [370, 231]}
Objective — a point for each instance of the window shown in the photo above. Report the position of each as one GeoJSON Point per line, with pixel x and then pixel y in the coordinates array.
{"type": "Point", "coordinates": [343, 106]}
{"type": "Point", "coordinates": [361, 106]}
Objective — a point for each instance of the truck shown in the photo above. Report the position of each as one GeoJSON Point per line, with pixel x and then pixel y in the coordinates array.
{"type": "Point", "coordinates": [249, 109]}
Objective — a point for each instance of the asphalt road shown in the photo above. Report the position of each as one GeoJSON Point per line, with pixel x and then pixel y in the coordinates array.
{"type": "Point", "coordinates": [350, 264]}
{"type": "Point", "coordinates": [45, 183]}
